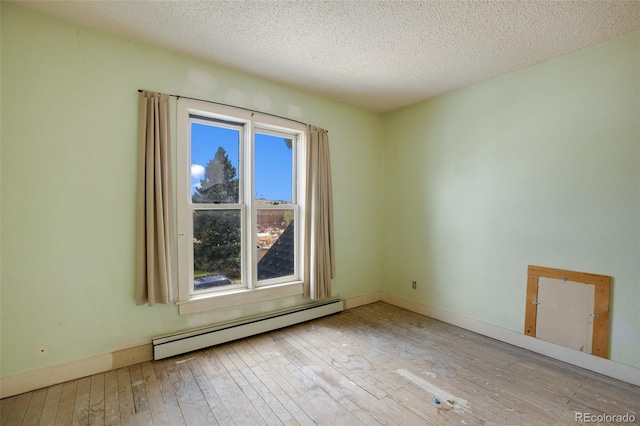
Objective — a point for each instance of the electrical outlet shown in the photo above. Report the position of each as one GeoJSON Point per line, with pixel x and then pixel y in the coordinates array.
{"type": "Point", "coordinates": [414, 285]}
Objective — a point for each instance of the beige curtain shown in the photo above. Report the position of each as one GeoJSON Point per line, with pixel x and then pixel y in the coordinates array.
{"type": "Point", "coordinates": [319, 251]}
{"type": "Point", "coordinates": [154, 202]}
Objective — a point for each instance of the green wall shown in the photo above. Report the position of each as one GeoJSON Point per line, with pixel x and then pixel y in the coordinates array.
{"type": "Point", "coordinates": [541, 167]}
{"type": "Point", "coordinates": [538, 167]}
{"type": "Point", "coordinates": [0, 186]}
{"type": "Point", "coordinates": [68, 177]}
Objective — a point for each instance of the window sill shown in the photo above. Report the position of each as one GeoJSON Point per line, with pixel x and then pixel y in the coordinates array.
{"type": "Point", "coordinates": [208, 302]}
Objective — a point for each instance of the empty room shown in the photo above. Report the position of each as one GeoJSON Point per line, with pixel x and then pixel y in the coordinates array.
{"type": "Point", "coordinates": [319, 212]}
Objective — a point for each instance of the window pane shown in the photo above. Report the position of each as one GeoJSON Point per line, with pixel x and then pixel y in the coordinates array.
{"type": "Point", "coordinates": [216, 248]}
{"type": "Point", "coordinates": [276, 244]}
{"type": "Point", "coordinates": [215, 154]}
{"type": "Point", "coordinates": [273, 169]}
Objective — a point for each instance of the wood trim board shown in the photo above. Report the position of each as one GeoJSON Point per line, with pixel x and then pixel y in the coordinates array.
{"type": "Point", "coordinates": [602, 285]}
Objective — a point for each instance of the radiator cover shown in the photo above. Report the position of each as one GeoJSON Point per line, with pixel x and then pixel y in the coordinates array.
{"type": "Point", "coordinates": [191, 340]}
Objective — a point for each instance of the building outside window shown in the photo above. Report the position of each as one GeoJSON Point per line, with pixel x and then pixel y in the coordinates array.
{"type": "Point", "coordinates": [240, 183]}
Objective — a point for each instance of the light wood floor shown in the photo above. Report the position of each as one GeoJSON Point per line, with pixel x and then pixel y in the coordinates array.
{"type": "Point", "coordinates": [376, 364]}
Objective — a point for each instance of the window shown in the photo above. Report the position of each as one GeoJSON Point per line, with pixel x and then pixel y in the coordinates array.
{"type": "Point", "coordinates": [239, 206]}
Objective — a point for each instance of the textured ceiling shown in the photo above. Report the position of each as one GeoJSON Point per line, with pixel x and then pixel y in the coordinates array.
{"type": "Point", "coordinates": [380, 55]}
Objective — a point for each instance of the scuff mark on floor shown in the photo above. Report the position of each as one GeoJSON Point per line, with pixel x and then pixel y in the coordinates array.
{"type": "Point", "coordinates": [442, 395]}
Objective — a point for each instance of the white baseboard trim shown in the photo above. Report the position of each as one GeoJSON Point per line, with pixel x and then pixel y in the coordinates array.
{"type": "Point", "coordinates": [613, 369]}
{"type": "Point", "coordinates": [55, 374]}
{"type": "Point", "coordinates": [365, 299]}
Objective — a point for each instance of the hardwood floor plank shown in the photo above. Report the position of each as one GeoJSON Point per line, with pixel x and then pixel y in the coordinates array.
{"type": "Point", "coordinates": [266, 350]}
{"type": "Point", "coordinates": [187, 408]}
{"type": "Point", "coordinates": [140, 397]}
{"type": "Point", "coordinates": [50, 406]}
{"type": "Point", "coordinates": [354, 357]}
{"type": "Point", "coordinates": [6, 405]}
{"type": "Point", "coordinates": [606, 394]}
{"type": "Point", "coordinates": [321, 371]}
{"type": "Point", "coordinates": [494, 407]}
{"type": "Point", "coordinates": [206, 382]}
{"type": "Point", "coordinates": [340, 358]}
{"type": "Point", "coordinates": [96, 400]}
{"type": "Point", "coordinates": [238, 404]}
{"type": "Point", "coordinates": [168, 397]}
{"type": "Point", "coordinates": [323, 402]}
{"type": "Point", "coordinates": [355, 382]}
{"type": "Point", "coordinates": [125, 397]}
{"type": "Point", "coordinates": [158, 411]}
{"type": "Point", "coordinates": [375, 364]}
{"type": "Point", "coordinates": [461, 383]}
{"type": "Point", "coordinates": [452, 368]}
{"type": "Point", "coordinates": [64, 415]}
{"type": "Point", "coordinates": [447, 370]}
{"type": "Point", "coordinates": [81, 406]}
{"type": "Point", "coordinates": [19, 409]}
{"type": "Point", "coordinates": [254, 362]}
{"type": "Point", "coordinates": [34, 410]}
{"type": "Point", "coordinates": [245, 381]}
{"type": "Point", "coordinates": [111, 404]}
{"type": "Point", "coordinates": [196, 397]}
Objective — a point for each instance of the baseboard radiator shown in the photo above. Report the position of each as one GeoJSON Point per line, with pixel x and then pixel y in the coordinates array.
{"type": "Point", "coordinates": [187, 341]}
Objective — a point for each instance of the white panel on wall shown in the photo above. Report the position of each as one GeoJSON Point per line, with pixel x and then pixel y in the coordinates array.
{"type": "Point", "coordinates": [564, 313]}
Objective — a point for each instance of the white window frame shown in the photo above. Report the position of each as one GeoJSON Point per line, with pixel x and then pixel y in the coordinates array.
{"type": "Point", "coordinates": [251, 290]}
{"type": "Point", "coordinates": [293, 207]}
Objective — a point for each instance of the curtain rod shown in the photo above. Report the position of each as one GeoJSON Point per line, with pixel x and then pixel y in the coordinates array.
{"type": "Point", "coordinates": [233, 106]}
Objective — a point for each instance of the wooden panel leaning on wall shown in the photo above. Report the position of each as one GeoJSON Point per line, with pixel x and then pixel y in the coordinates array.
{"type": "Point", "coordinates": [602, 283]}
